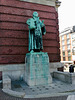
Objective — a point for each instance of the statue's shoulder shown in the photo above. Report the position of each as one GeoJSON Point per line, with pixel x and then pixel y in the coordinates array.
{"type": "Point", "coordinates": [30, 20]}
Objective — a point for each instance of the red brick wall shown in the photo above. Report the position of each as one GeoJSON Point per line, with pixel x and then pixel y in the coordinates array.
{"type": "Point", "coordinates": [14, 31]}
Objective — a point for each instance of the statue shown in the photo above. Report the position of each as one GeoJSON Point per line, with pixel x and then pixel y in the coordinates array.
{"type": "Point", "coordinates": [36, 30]}
{"type": "Point", "coordinates": [37, 63]}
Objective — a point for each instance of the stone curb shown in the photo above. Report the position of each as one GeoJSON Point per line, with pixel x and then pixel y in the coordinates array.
{"type": "Point", "coordinates": [22, 94]}
{"type": "Point", "coordinates": [14, 93]}
{"type": "Point", "coordinates": [47, 95]}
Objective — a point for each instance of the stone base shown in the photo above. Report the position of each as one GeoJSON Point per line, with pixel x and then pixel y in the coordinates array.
{"type": "Point", "coordinates": [37, 69]}
{"type": "Point", "coordinates": [14, 93]}
{"type": "Point", "coordinates": [6, 82]}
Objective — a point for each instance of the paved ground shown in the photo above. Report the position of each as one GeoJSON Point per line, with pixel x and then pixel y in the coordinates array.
{"type": "Point", "coordinates": [57, 88]}
{"type": "Point", "coordinates": [56, 91]}
{"type": "Point", "coordinates": [4, 96]}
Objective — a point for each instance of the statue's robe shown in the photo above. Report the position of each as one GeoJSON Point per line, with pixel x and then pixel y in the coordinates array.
{"type": "Point", "coordinates": [36, 30]}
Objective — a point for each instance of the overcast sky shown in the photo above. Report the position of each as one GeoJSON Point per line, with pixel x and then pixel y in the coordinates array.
{"type": "Point", "coordinates": [66, 14]}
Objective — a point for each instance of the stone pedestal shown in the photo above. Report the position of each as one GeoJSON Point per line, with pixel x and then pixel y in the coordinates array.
{"type": "Point", "coordinates": [37, 70]}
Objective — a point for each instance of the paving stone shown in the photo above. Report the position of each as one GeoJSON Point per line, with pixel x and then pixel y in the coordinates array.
{"type": "Point", "coordinates": [57, 88]}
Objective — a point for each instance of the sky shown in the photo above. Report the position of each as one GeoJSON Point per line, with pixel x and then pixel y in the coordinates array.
{"type": "Point", "coordinates": [66, 14]}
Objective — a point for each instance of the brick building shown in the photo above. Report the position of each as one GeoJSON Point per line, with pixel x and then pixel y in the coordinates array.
{"type": "Point", "coordinates": [67, 44]}
{"type": "Point", "coordinates": [14, 31]}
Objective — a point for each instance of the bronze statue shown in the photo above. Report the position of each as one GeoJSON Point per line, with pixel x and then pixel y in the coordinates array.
{"type": "Point", "coordinates": [36, 30]}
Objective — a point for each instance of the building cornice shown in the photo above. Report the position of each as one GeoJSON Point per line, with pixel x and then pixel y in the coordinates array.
{"type": "Point", "coordinates": [66, 31]}
{"type": "Point", "coordinates": [44, 2]}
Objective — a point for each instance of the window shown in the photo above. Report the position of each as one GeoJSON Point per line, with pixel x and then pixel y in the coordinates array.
{"type": "Point", "coordinates": [73, 35]}
{"type": "Point", "coordinates": [62, 42]}
{"type": "Point", "coordinates": [69, 52]}
{"type": "Point", "coordinates": [73, 51]}
{"type": "Point", "coordinates": [63, 53]}
{"type": "Point", "coordinates": [69, 58]}
{"type": "Point", "coordinates": [73, 43]}
{"type": "Point", "coordinates": [68, 47]}
{"type": "Point", "coordinates": [63, 58]}
{"type": "Point", "coordinates": [62, 37]}
{"type": "Point", "coordinates": [68, 41]}
{"type": "Point", "coordinates": [67, 36]}
{"type": "Point", "coordinates": [63, 47]}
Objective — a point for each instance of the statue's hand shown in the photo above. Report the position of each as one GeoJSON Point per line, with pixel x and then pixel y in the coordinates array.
{"type": "Point", "coordinates": [32, 26]}
{"type": "Point", "coordinates": [31, 23]}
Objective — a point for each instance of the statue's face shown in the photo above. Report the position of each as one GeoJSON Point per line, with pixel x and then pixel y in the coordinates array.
{"type": "Point", "coordinates": [35, 14]}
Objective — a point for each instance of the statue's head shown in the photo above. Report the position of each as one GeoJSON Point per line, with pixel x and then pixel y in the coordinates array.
{"type": "Point", "coordinates": [35, 14]}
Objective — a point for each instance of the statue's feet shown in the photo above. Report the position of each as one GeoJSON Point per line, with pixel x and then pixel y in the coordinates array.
{"type": "Point", "coordinates": [31, 51]}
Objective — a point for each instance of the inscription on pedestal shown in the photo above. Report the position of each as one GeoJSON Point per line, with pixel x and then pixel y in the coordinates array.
{"type": "Point", "coordinates": [37, 69]}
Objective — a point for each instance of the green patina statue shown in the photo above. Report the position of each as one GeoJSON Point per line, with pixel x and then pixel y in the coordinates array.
{"type": "Point", "coordinates": [36, 30]}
